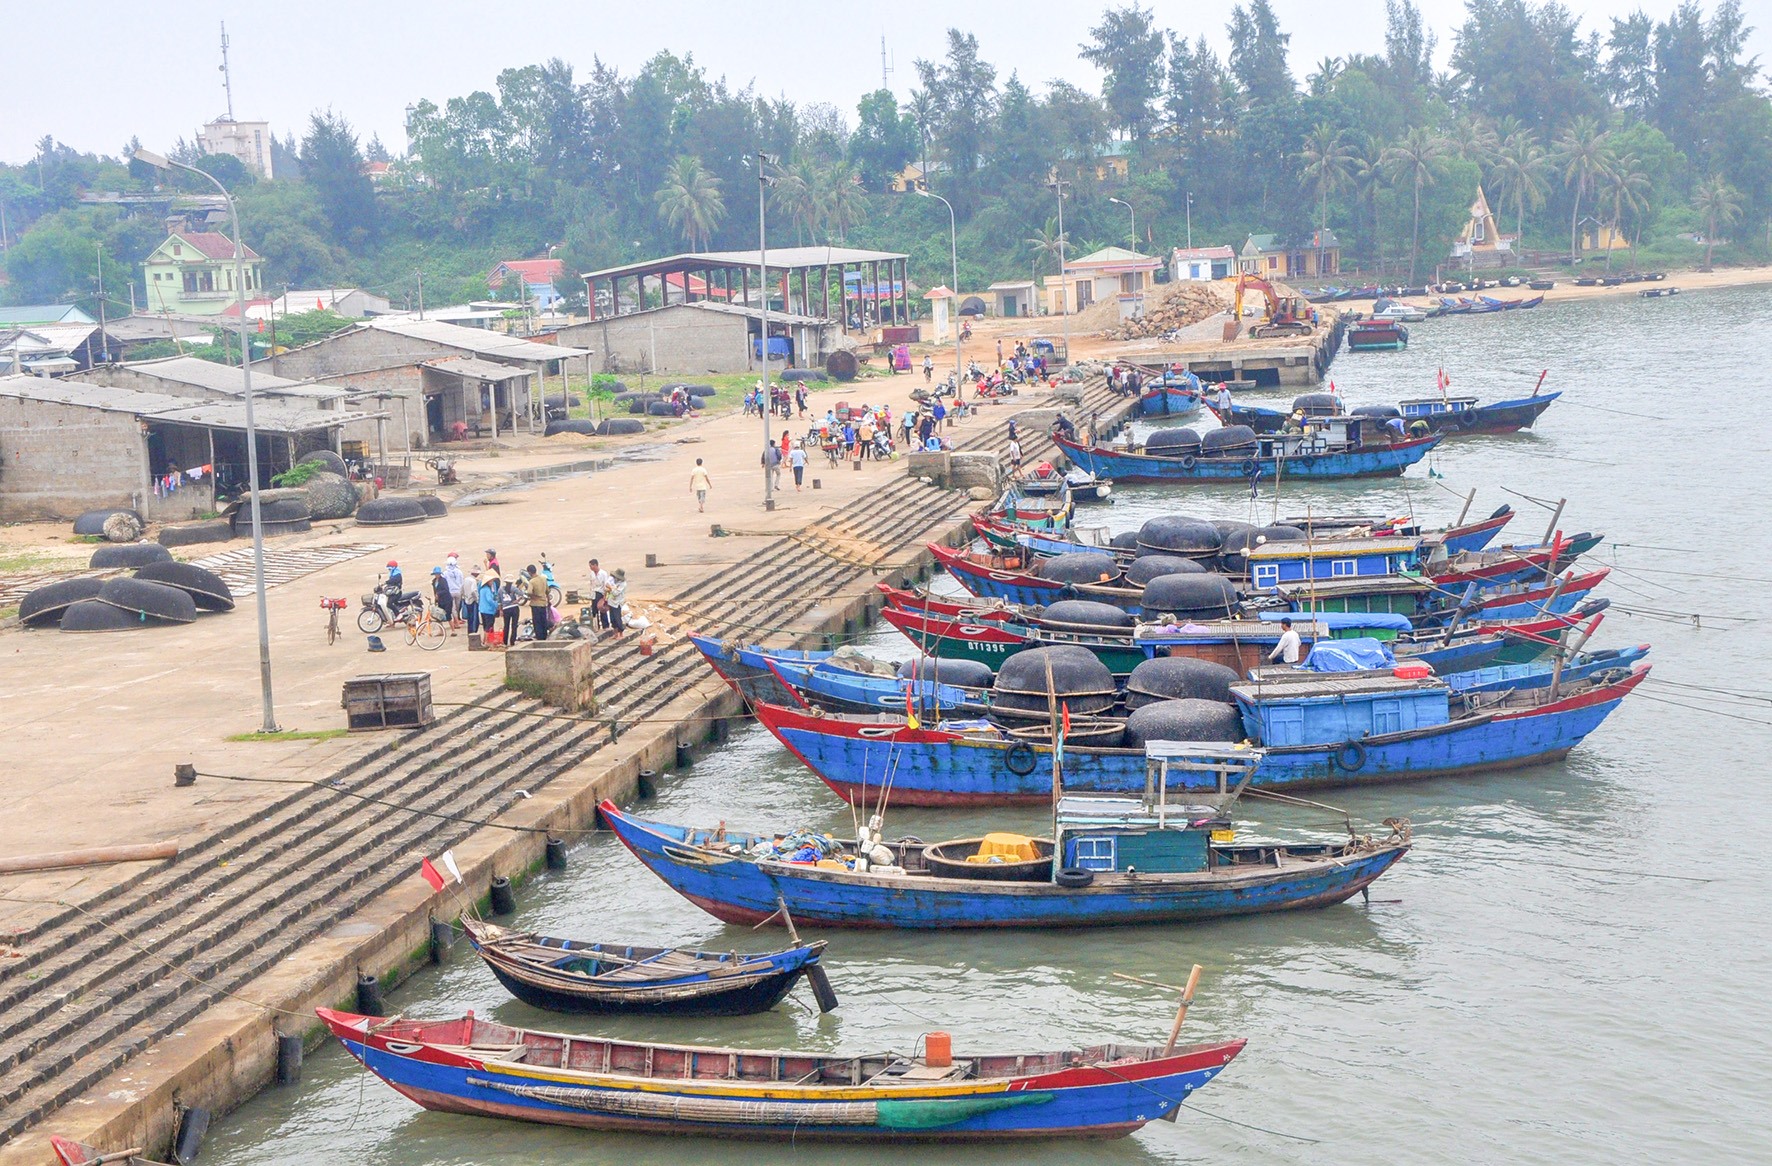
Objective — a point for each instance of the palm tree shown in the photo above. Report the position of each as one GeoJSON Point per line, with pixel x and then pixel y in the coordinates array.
{"type": "Point", "coordinates": [1328, 168]}
{"type": "Point", "coordinates": [1720, 204]}
{"type": "Point", "coordinates": [1474, 140]}
{"type": "Point", "coordinates": [843, 198]}
{"type": "Point", "coordinates": [689, 201]}
{"type": "Point", "coordinates": [1519, 172]}
{"type": "Point", "coordinates": [1322, 82]}
{"type": "Point", "coordinates": [794, 192]}
{"type": "Point", "coordinates": [1582, 154]}
{"type": "Point", "coordinates": [1629, 188]}
{"type": "Point", "coordinates": [1417, 158]}
{"type": "Point", "coordinates": [1367, 164]}
{"type": "Point", "coordinates": [1048, 243]}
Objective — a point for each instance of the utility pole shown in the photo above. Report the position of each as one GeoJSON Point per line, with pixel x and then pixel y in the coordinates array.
{"type": "Point", "coordinates": [763, 184]}
{"type": "Point", "coordinates": [1064, 289]}
{"type": "Point", "coordinates": [104, 336]}
{"type": "Point", "coordinates": [1190, 220]}
{"type": "Point", "coordinates": [421, 294]}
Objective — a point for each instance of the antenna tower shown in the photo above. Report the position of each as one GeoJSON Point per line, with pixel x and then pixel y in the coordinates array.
{"type": "Point", "coordinates": [228, 77]}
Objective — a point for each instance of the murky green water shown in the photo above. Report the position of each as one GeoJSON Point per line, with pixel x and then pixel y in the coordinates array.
{"type": "Point", "coordinates": [1518, 990]}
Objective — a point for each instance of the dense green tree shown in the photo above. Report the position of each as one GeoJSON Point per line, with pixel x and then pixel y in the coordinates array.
{"type": "Point", "coordinates": [1127, 47]}
{"type": "Point", "coordinates": [1258, 54]}
{"type": "Point", "coordinates": [1581, 154]}
{"type": "Point", "coordinates": [1512, 58]}
{"type": "Point", "coordinates": [884, 140]}
{"type": "Point", "coordinates": [1521, 166]}
{"type": "Point", "coordinates": [1719, 204]}
{"type": "Point", "coordinates": [333, 165]}
{"type": "Point", "coordinates": [962, 90]}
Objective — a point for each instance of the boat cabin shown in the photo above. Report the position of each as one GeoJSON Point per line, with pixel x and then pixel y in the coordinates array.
{"type": "Point", "coordinates": [1151, 835]}
{"type": "Point", "coordinates": [1340, 706]}
{"type": "Point", "coordinates": [1387, 594]}
{"type": "Point", "coordinates": [1276, 563]}
{"type": "Point", "coordinates": [1429, 406]}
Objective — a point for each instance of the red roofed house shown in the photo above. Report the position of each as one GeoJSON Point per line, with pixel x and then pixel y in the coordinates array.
{"type": "Point", "coordinates": [192, 273]}
{"type": "Point", "coordinates": [529, 280]}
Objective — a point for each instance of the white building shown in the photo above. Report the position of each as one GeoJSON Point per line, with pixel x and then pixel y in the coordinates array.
{"type": "Point", "coordinates": [249, 141]}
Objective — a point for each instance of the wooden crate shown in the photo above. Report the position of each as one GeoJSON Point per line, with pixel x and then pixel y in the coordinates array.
{"type": "Point", "coordinates": [391, 700]}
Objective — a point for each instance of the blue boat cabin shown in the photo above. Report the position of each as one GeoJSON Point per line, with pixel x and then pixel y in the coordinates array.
{"type": "Point", "coordinates": [1335, 707]}
{"type": "Point", "coordinates": [1277, 563]}
{"type": "Point", "coordinates": [1112, 833]}
{"type": "Point", "coordinates": [1429, 406]}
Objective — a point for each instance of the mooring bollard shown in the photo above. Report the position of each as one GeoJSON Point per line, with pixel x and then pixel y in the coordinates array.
{"type": "Point", "coordinates": [646, 785]}
{"type": "Point", "coordinates": [556, 854]}
{"type": "Point", "coordinates": [442, 939]}
{"type": "Point", "coordinates": [369, 1001]}
{"type": "Point", "coordinates": [184, 774]}
{"type": "Point", "coordinates": [289, 1049]}
{"type": "Point", "coordinates": [651, 560]}
{"type": "Point", "coordinates": [504, 902]}
{"type": "Point", "coordinates": [685, 755]}
{"type": "Point", "coordinates": [818, 483]}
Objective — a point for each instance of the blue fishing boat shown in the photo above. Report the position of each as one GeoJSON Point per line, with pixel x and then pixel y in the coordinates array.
{"type": "Point", "coordinates": [1452, 416]}
{"type": "Point", "coordinates": [569, 975]}
{"type": "Point", "coordinates": [474, 1067]}
{"type": "Point", "coordinates": [1173, 394]}
{"type": "Point", "coordinates": [1319, 456]}
{"type": "Point", "coordinates": [1116, 860]}
{"type": "Point", "coordinates": [1340, 731]}
{"type": "Point", "coordinates": [842, 681]}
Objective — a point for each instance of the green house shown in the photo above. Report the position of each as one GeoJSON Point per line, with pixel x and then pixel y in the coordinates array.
{"type": "Point", "coordinates": [192, 273]}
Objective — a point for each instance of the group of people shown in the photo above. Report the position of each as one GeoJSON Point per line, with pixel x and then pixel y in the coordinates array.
{"type": "Point", "coordinates": [483, 600]}
{"type": "Point", "coordinates": [782, 400]}
{"type": "Point", "coordinates": [1124, 382]}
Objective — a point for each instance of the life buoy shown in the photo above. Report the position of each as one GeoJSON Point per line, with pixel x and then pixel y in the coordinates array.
{"type": "Point", "coordinates": [1021, 759]}
{"type": "Point", "coordinates": [1351, 757]}
{"type": "Point", "coordinates": [1189, 461]}
{"type": "Point", "coordinates": [1074, 878]}
{"type": "Point", "coordinates": [1248, 467]}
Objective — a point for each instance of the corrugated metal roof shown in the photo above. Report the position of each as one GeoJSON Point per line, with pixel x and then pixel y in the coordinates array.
{"type": "Point", "coordinates": [778, 257]}
{"type": "Point", "coordinates": [29, 314]}
{"type": "Point", "coordinates": [223, 378]}
{"type": "Point", "coordinates": [85, 396]}
{"type": "Point", "coordinates": [1299, 549]}
{"type": "Point", "coordinates": [271, 417]}
{"type": "Point", "coordinates": [490, 344]}
{"type": "Point", "coordinates": [483, 370]}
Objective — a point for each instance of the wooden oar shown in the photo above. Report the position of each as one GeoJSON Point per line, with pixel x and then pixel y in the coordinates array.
{"type": "Point", "coordinates": [1187, 999]}
{"type": "Point", "coordinates": [115, 1156]}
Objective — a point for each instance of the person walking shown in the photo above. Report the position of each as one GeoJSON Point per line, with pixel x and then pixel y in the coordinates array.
{"type": "Point", "coordinates": [797, 459]}
{"type": "Point", "coordinates": [800, 400]}
{"type": "Point", "coordinates": [772, 464]}
{"type": "Point", "coordinates": [699, 485]}
{"type": "Point", "coordinates": [538, 603]}
{"type": "Point", "coordinates": [510, 606]}
{"type": "Point", "coordinates": [1014, 458]}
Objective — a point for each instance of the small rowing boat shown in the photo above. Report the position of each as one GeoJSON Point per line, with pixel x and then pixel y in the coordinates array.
{"type": "Point", "coordinates": [569, 975]}
{"type": "Point", "coordinates": [72, 1153]}
{"type": "Point", "coordinates": [473, 1066]}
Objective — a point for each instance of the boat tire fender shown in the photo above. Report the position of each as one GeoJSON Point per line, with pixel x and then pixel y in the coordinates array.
{"type": "Point", "coordinates": [1189, 461]}
{"type": "Point", "coordinates": [1248, 467]}
{"type": "Point", "coordinates": [1351, 757]}
{"type": "Point", "coordinates": [1466, 419]}
{"type": "Point", "coordinates": [1074, 878]}
{"type": "Point", "coordinates": [1021, 760]}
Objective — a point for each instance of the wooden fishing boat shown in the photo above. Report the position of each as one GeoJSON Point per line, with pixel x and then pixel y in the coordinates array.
{"type": "Point", "coordinates": [1452, 416]}
{"type": "Point", "coordinates": [1346, 732]}
{"type": "Point", "coordinates": [567, 975]}
{"type": "Point", "coordinates": [1318, 456]}
{"type": "Point", "coordinates": [1377, 336]}
{"type": "Point", "coordinates": [1173, 395]}
{"type": "Point", "coordinates": [72, 1153]}
{"type": "Point", "coordinates": [475, 1067]}
{"type": "Point", "coordinates": [1139, 859]}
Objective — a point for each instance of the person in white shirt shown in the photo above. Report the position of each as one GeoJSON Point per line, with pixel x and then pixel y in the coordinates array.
{"type": "Point", "coordinates": [1288, 650]}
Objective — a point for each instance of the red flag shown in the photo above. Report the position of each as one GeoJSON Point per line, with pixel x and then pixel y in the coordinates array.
{"type": "Point", "coordinates": [431, 874]}
{"type": "Point", "coordinates": [1066, 730]}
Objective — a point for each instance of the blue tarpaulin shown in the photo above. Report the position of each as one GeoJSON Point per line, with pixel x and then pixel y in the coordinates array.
{"type": "Point", "coordinates": [1349, 656]}
{"type": "Point", "coordinates": [1337, 621]}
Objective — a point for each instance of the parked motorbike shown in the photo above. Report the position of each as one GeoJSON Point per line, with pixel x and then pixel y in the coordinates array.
{"type": "Point", "coordinates": [445, 468]}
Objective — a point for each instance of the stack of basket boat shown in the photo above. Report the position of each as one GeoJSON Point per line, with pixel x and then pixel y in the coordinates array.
{"type": "Point", "coordinates": [161, 592]}
{"type": "Point", "coordinates": [1168, 699]}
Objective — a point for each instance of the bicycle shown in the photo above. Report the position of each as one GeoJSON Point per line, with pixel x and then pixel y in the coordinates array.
{"type": "Point", "coordinates": [425, 626]}
{"type": "Point", "coordinates": [332, 608]}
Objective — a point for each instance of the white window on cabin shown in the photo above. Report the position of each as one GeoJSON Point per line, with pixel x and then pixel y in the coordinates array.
{"type": "Point", "coordinates": [1342, 567]}
{"type": "Point", "coordinates": [1267, 574]}
{"type": "Point", "coordinates": [1094, 853]}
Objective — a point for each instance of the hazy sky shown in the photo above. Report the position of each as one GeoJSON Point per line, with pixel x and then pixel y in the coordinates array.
{"type": "Point", "coordinates": [94, 75]}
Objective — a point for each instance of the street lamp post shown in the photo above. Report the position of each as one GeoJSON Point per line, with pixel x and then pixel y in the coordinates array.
{"type": "Point", "coordinates": [1064, 289]}
{"type": "Point", "coordinates": [766, 405]}
{"type": "Point", "coordinates": [258, 529]}
{"type": "Point", "coordinates": [1190, 220]}
{"type": "Point", "coordinates": [954, 256]}
{"type": "Point", "coordinates": [1131, 214]}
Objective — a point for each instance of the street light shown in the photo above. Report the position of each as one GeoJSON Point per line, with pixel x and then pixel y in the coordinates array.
{"type": "Point", "coordinates": [954, 255]}
{"type": "Point", "coordinates": [1190, 220]}
{"type": "Point", "coordinates": [1133, 215]}
{"type": "Point", "coordinates": [1057, 185]}
{"type": "Point", "coordinates": [258, 529]}
{"type": "Point", "coordinates": [764, 182]}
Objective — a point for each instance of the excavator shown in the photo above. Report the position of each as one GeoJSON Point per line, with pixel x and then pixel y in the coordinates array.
{"type": "Point", "coordinates": [1286, 315]}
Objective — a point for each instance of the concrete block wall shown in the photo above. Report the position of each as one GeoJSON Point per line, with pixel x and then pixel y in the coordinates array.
{"type": "Point", "coordinates": [687, 341]}
{"type": "Point", "coordinates": [57, 460]}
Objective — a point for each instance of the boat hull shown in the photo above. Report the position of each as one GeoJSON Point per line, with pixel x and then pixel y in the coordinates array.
{"type": "Point", "coordinates": [941, 768]}
{"type": "Point", "coordinates": [1379, 461]}
{"type": "Point", "coordinates": [745, 892]}
{"type": "Point", "coordinates": [1079, 1101]}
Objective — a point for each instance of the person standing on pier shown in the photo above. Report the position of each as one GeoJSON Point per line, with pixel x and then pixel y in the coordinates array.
{"type": "Point", "coordinates": [797, 459]}
{"type": "Point", "coordinates": [470, 601]}
{"type": "Point", "coordinates": [538, 602]}
{"type": "Point", "coordinates": [510, 606]}
{"type": "Point", "coordinates": [699, 485]}
{"type": "Point", "coordinates": [457, 589]}
{"type": "Point", "coordinates": [489, 601]}
{"type": "Point", "coordinates": [1222, 404]}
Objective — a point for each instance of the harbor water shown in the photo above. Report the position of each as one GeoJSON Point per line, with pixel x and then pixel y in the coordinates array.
{"type": "Point", "coordinates": [1568, 967]}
